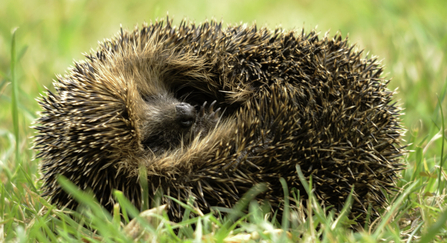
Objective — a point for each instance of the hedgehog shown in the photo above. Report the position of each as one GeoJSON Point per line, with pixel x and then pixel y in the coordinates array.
{"type": "Point", "coordinates": [209, 111]}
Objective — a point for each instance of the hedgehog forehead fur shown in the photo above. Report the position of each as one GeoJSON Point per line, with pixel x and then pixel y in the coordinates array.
{"type": "Point", "coordinates": [210, 111]}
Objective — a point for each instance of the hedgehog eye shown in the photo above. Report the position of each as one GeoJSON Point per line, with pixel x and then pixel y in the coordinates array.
{"type": "Point", "coordinates": [187, 123]}
{"type": "Point", "coordinates": [185, 114]}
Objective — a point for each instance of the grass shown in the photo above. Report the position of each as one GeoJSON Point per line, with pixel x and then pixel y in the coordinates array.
{"type": "Point", "coordinates": [41, 39]}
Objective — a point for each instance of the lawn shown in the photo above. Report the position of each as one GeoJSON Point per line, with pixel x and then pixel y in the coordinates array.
{"type": "Point", "coordinates": [40, 39]}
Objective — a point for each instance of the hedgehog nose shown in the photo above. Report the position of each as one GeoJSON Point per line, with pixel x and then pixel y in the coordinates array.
{"type": "Point", "coordinates": [185, 114]}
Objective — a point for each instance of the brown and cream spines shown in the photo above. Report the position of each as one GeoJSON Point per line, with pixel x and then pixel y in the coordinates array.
{"type": "Point", "coordinates": [209, 111]}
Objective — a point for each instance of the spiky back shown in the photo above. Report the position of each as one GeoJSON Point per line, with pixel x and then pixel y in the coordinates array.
{"type": "Point", "coordinates": [289, 98]}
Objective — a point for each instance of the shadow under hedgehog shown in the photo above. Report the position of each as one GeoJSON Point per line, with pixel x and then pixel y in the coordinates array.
{"type": "Point", "coordinates": [210, 111]}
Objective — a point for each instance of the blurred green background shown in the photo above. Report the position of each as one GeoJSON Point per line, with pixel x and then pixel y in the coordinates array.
{"type": "Point", "coordinates": [408, 35]}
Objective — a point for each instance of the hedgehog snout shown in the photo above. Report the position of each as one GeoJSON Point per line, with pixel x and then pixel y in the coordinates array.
{"type": "Point", "coordinates": [185, 114]}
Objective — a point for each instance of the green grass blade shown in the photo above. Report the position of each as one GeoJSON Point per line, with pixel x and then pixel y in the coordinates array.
{"type": "Point", "coordinates": [394, 208]}
{"type": "Point", "coordinates": [441, 165]}
{"type": "Point", "coordinates": [344, 213]}
{"type": "Point", "coordinates": [433, 231]}
{"type": "Point", "coordinates": [145, 189]}
{"type": "Point", "coordinates": [14, 101]}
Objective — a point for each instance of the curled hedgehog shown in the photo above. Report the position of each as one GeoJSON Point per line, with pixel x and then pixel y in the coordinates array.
{"type": "Point", "coordinates": [210, 111]}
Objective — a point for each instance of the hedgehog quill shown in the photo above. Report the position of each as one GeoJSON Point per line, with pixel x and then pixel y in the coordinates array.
{"type": "Point", "coordinates": [209, 111]}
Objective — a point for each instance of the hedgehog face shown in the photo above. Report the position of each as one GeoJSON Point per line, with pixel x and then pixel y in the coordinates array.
{"type": "Point", "coordinates": [169, 124]}
{"type": "Point", "coordinates": [166, 123]}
